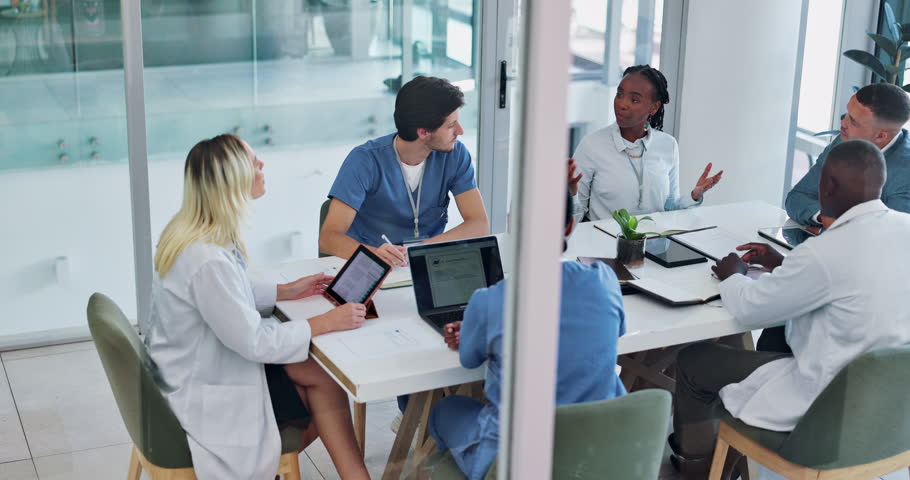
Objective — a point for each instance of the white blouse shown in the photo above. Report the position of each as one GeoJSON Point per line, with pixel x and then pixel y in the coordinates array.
{"type": "Point", "coordinates": [614, 178]}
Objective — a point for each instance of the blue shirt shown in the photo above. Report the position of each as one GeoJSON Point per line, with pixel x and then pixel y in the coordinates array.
{"type": "Point", "coordinates": [591, 320]}
{"type": "Point", "coordinates": [802, 201]}
{"type": "Point", "coordinates": [371, 182]}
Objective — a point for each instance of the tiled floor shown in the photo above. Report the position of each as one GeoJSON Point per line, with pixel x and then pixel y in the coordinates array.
{"type": "Point", "coordinates": [58, 420]}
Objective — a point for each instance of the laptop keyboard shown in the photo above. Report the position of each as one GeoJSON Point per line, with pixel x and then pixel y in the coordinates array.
{"type": "Point", "coordinates": [441, 319]}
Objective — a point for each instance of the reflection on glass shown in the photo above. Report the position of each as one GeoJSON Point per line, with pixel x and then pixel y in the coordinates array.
{"type": "Point", "coordinates": [61, 126]}
{"type": "Point", "coordinates": [600, 53]}
{"type": "Point", "coordinates": [302, 81]}
{"type": "Point", "coordinates": [639, 24]}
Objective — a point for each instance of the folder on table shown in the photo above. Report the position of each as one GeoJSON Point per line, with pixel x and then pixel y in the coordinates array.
{"type": "Point", "coordinates": [676, 295]}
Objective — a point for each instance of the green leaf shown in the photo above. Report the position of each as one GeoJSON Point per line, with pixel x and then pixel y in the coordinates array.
{"type": "Point", "coordinates": [891, 69]}
{"type": "Point", "coordinates": [885, 43]}
{"type": "Point", "coordinates": [907, 88]}
{"type": "Point", "coordinates": [869, 61]}
{"type": "Point", "coordinates": [645, 218]}
{"type": "Point", "coordinates": [891, 22]}
{"type": "Point", "coordinates": [618, 217]}
{"type": "Point", "coordinates": [633, 223]}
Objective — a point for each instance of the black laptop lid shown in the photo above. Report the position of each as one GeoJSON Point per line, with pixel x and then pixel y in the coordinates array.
{"type": "Point", "coordinates": [446, 274]}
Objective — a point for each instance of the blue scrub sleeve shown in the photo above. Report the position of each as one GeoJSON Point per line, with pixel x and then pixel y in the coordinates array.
{"type": "Point", "coordinates": [463, 180]}
{"type": "Point", "coordinates": [472, 349]}
{"type": "Point", "coordinates": [608, 281]}
{"type": "Point", "coordinates": [355, 178]}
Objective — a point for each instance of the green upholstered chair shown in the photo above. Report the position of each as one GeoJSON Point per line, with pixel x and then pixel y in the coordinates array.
{"type": "Point", "coordinates": [159, 443]}
{"type": "Point", "coordinates": [324, 212]}
{"type": "Point", "coordinates": [619, 438]}
{"type": "Point", "coordinates": [857, 428]}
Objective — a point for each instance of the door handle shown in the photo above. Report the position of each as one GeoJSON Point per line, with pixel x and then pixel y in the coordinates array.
{"type": "Point", "coordinates": [502, 84]}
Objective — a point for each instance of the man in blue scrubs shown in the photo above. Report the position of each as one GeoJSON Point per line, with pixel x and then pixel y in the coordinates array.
{"type": "Point", "coordinates": [398, 185]}
{"type": "Point", "coordinates": [591, 319]}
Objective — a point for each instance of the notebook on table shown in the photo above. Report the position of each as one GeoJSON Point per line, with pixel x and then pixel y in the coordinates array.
{"type": "Point", "coordinates": [622, 273]}
{"type": "Point", "coordinates": [714, 243]}
{"type": "Point", "coordinates": [675, 294]}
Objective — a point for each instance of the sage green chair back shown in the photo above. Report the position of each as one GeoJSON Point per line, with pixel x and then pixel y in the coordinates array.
{"type": "Point", "coordinates": [619, 438]}
{"type": "Point", "coordinates": [861, 417]}
{"type": "Point", "coordinates": [148, 418]}
{"type": "Point", "coordinates": [324, 212]}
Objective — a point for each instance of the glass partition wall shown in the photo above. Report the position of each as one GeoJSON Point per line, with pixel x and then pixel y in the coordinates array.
{"type": "Point", "coordinates": [303, 82]}
{"type": "Point", "coordinates": [63, 175]}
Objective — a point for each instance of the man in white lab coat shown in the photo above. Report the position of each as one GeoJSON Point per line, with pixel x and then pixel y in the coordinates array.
{"type": "Point", "coordinates": [842, 294]}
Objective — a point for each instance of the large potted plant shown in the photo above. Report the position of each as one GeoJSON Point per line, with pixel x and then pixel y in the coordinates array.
{"type": "Point", "coordinates": [630, 244]}
{"type": "Point", "coordinates": [893, 42]}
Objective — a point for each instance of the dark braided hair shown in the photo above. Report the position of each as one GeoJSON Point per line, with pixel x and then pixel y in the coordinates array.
{"type": "Point", "coordinates": [660, 86]}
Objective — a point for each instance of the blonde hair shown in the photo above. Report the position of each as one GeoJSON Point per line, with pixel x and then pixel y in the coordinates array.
{"type": "Point", "coordinates": [217, 189]}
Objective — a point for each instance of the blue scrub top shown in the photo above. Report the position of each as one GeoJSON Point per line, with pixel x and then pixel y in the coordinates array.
{"type": "Point", "coordinates": [371, 182]}
{"type": "Point", "coordinates": [591, 320]}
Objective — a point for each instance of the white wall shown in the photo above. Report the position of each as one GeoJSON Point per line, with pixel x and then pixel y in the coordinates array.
{"type": "Point", "coordinates": [737, 96]}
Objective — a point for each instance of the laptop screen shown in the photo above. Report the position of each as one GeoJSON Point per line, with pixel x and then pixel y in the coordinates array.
{"type": "Point", "coordinates": [447, 274]}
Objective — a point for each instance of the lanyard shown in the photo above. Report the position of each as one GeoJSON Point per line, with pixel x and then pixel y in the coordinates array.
{"type": "Point", "coordinates": [415, 206]}
{"type": "Point", "coordinates": [639, 175]}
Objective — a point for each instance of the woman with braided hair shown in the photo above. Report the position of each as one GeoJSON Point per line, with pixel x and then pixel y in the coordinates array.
{"type": "Point", "coordinates": [632, 163]}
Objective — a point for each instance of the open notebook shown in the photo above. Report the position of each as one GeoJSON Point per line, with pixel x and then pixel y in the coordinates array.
{"type": "Point", "coordinates": [679, 294]}
{"type": "Point", "coordinates": [399, 277]}
{"type": "Point", "coordinates": [714, 243]}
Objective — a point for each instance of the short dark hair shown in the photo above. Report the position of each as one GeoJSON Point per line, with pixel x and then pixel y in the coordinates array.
{"type": "Point", "coordinates": [425, 102]}
{"type": "Point", "coordinates": [661, 92]}
{"type": "Point", "coordinates": [861, 158]}
{"type": "Point", "coordinates": [888, 102]}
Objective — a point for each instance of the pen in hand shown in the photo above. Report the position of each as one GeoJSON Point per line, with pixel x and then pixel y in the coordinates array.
{"type": "Point", "coordinates": [396, 252]}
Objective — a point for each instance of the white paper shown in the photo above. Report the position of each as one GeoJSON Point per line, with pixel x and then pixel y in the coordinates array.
{"type": "Point", "coordinates": [327, 265]}
{"type": "Point", "coordinates": [392, 339]}
{"type": "Point", "coordinates": [304, 308]}
{"type": "Point", "coordinates": [716, 243]}
{"type": "Point", "coordinates": [397, 275]}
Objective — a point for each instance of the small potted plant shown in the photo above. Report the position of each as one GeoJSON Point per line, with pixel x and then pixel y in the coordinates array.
{"type": "Point", "coordinates": [630, 245]}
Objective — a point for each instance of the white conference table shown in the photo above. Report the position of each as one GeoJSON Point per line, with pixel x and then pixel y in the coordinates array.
{"type": "Point", "coordinates": [399, 354]}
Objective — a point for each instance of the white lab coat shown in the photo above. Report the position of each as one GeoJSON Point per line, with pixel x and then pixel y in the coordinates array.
{"type": "Point", "coordinates": [210, 343]}
{"type": "Point", "coordinates": [844, 293]}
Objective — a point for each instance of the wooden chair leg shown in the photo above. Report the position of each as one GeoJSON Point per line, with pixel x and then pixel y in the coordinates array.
{"type": "Point", "coordinates": [360, 425]}
{"type": "Point", "coordinates": [135, 468]}
{"type": "Point", "coordinates": [720, 456]}
{"type": "Point", "coordinates": [289, 466]}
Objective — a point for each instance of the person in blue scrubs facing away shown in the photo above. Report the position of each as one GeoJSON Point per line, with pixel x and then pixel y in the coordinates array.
{"type": "Point", "coordinates": [591, 319]}
{"type": "Point", "coordinates": [398, 185]}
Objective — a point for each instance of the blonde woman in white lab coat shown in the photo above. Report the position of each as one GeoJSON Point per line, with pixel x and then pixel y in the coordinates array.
{"type": "Point", "coordinates": [231, 376]}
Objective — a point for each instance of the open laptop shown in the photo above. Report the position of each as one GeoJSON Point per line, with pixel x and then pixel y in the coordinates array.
{"type": "Point", "coordinates": [445, 275]}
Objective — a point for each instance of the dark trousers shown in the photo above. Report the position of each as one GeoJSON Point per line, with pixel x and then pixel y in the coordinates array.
{"type": "Point", "coordinates": [773, 339]}
{"type": "Point", "coordinates": [701, 371]}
